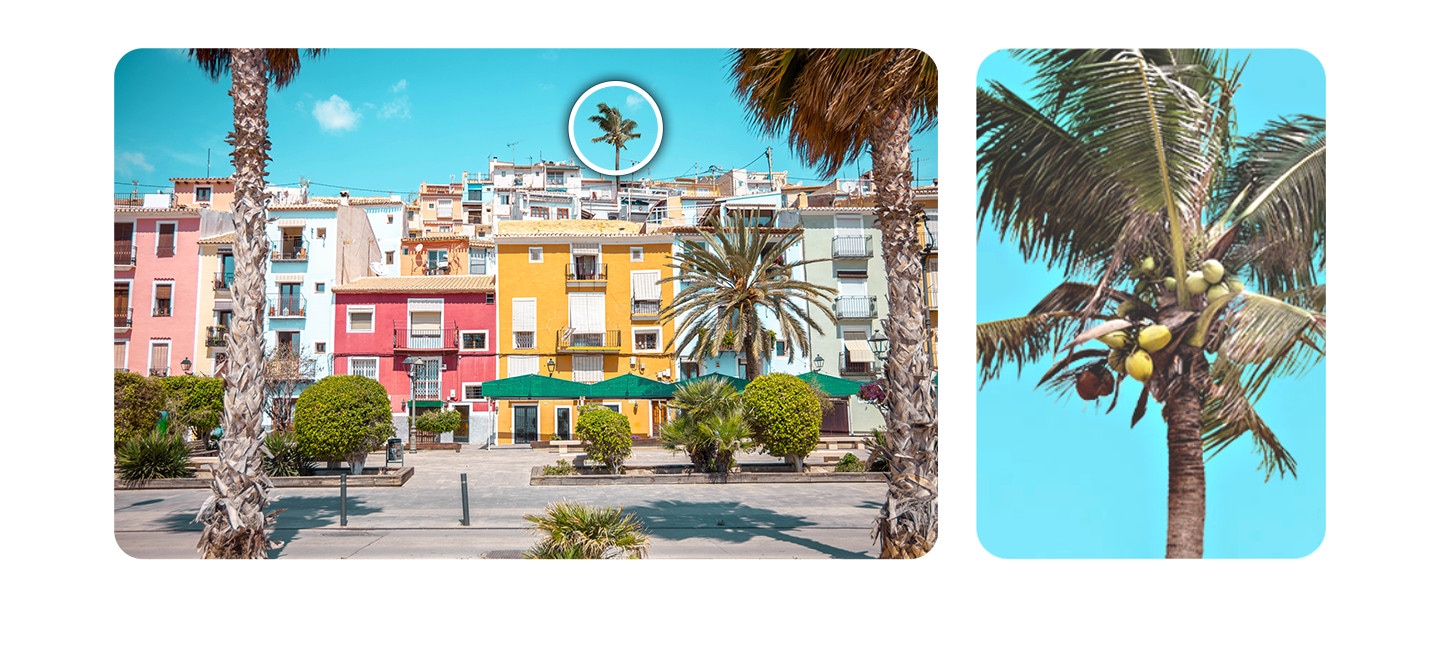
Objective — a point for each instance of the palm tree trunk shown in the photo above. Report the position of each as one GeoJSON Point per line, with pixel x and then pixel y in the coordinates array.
{"type": "Point", "coordinates": [908, 523]}
{"type": "Point", "coordinates": [234, 516]}
{"type": "Point", "coordinates": [1185, 529]}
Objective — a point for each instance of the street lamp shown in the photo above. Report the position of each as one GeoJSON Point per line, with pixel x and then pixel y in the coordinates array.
{"type": "Point", "coordinates": [186, 365]}
{"type": "Point", "coordinates": [412, 370]}
{"type": "Point", "coordinates": [819, 363]}
{"type": "Point", "coordinates": [879, 343]}
{"type": "Point", "coordinates": [550, 365]}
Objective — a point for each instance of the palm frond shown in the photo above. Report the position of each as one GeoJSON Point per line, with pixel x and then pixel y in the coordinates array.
{"type": "Point", "coordinates": [1019, 340]}
{"type": "Point", "coordinates": [1227, 415]}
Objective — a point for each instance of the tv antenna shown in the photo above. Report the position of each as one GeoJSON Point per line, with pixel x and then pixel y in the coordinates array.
{"type": "Point", "coordinates": [512, 149]}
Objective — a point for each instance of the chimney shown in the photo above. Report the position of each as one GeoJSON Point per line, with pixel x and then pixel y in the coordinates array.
{"type": "Point", "coordinates": [344, 197]}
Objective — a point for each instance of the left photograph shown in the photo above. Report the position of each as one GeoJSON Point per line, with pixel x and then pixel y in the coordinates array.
{"type": "Point", "coordinates": [583, 304]}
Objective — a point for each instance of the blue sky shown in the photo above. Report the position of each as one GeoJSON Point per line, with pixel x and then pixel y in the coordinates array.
{"type": "Point", "coordinates": [383, 121]}
{"type": "Point", "coordinates": [1059, 478]}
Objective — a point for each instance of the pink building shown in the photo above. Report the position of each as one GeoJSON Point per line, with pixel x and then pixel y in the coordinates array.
{"type": "Point", "coordinates": [156, 286]}
{"type": "Point", "coordinates": [445, 324]}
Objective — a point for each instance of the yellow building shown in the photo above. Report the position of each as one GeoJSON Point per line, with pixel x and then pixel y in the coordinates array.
{"type": "Point", "coordinates": [579, 300]}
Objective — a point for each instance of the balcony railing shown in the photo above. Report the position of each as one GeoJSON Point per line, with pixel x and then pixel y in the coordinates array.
{"type": "Point", "coordinates": [593, 273]}
{"type": "Point", "coordinates": [851, 246]}
{"type": "Point", "coordinates": [934, 297]}
{"type": "Point", "coordinates": [215, 336]}
{"type": "Point", "coordinates": [932, 234]}
{"type": "Point", "coordinates": [223, 280]}
{"type": "Point", "coordinates": [427, 338]}
{"type": "Point", "coordinates": [855, 368]}
{"type": "Point", "coordinates": [568, 340]}
{"type": "Point", "coordinates": [645, 308]}
{"type": "Point", "coordinates": [855, 307]}
{"type": "Point", "coordinates": [437, 269]}
{"type": "Point", "coordinates": [124, 254]}
{"type": "Point", "coordinates": [287, 306]}
{"type": "Point", "coordinates": [125, 317]}
{"type": "Point", "coordinates": [288, 249]}
{"type": "Point", "coordinates": [161, 311]}
{"type": "Point", "coordinates": [159, 372]}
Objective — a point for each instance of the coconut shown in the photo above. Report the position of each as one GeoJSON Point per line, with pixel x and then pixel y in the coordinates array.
{"type": "Point", "coordinates": [1195, 283]}
{"type": "Point", "coordinates": [1139, 366]}
{"type": "Point", "coordinates": [1116, 340]}
{"type": "Point", "coordinates": [1147, 265]}
{"type": "Point", "coordinates": [1087, 385]}
{"type": "Point", "coordinates": [1213, 270]}
{"type": "Point", "coordinates": [1125, 309]}
{"type": "Point", "coordinates": [1169, 283]}
{"type": "Point", "coordinates": [1107, 382]}
{"type": "Point", "coordinates": [1235, 285]}
{"type": "Point", "coordinates": [1116, 360]}
{"type": "Point", "coordinates": [1217, 292]}
{"type": "Point", "coordinates": [1154, 337]}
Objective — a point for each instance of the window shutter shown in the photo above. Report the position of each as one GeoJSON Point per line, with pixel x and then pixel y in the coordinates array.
{"type": "Point", "coordinates": [523, 365]}
{"type": "Point", "coordinates": [646, 285]}
{"type": "Point", "coordinates": [522, 314]}
{"type": "Point", "coordinates": [587, 313]}
{"type": "Point", "coordinates": [585, 249]}
{"type": "Point", "coordinates": [588, 368]}
{"type": "Point", "coordinates": [160, 356]}
{"type": "Point", "coordinates": [362, 321]}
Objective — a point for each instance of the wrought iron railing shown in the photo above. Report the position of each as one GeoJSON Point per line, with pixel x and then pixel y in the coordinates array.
{"type": "Point", "coordinates": [161, 311]}
{"type": "Point", "coordinates": [854, 368]}
{"type": "Point", "coordinates": [287, 306]}
{"type": "Point", "coordinates": [851, 246]}
{"type": "Point", "coordinates": [288, 249]}
{"type": "Point", "coordinates": [855, 307]}
{"type": "Point", "coordinates": [427, 338]}
{"type": "Point", "coordinates": [586, 272]}
{"type": "Point", "coordinates": [645, 308]}
{"type": "Point", "coordinates": [125, 317]}
{"type": "Point", "coordinates": [223, 280]}
{"type": "Point", "coordinates": [215, 336]}
{"type": "Point", "coordinates": [570, 340]}
{"type": "Point", "coordinates": [125, 254]}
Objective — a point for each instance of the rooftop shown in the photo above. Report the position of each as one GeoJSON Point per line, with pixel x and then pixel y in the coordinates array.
{"type": "Point", "coordinates": [419, 284]}
{"type": "Point", "coordinates": [605, 228]}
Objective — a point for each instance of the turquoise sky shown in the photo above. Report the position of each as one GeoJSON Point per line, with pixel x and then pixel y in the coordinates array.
{"type": "Point", "coordinates": [1058, 478]}
{"type": "Point", "coordinates": [382, 121]}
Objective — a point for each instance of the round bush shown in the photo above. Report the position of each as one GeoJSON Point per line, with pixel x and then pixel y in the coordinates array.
{"type": "Point", "coordinates": [155, 455]}
{"type": "Point", "coordinates": [784, 415]}
{"type": "Point", "coordinates": [138, 402]}
{"type": "Point", "coordinates": [438, 421]}
{"type": "Point", "coordinates": [340, 416]}
{"type": "Point", "coordinates": [609, 435]}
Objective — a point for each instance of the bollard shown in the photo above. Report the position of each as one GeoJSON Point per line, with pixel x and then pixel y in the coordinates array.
{"type": "Point", "coordinates": [464, 501]}
{"type": "Point", "coordinates": [342, 501]}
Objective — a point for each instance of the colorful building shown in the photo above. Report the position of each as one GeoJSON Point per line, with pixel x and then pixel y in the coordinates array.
{"type": "Point", "coordinates": [444, 324]}
{"type": "Point", "coordinates": [579, 301]}
{"type": "Point", "coordinates": [156, 285]}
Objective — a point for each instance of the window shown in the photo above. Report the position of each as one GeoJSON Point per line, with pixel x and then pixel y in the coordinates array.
{"type": "Point", "coordinates": [472, 392]}
{"type": "Point", "coordinates": [524, 340]}
{"type": "Point", "coordinates": [779, 348]}
{"type": "Point", "coordinates": [588, 368]}
{"type": "Point", "coordinates": [540, 212]}
{"type": "Point", "coordinates": [389, 257]}
{"type": "Point", "coordinates": [202, 195]}
{"type": "Point", "coordinates": [562, 213]}
{"type": "Point", "coordinates": [645, 293]}
{"type": "Point", "coordinates": [477, 261]}
{"type": "Point", "coordinates": [426, 323]}
{"type": "Point", "coordinates": [429, 206]}
{"type": "Point", "coordinates": [319, 233]}
{"type": "Point", "coordinates": [472, 195]}
{"type": "Point", "coordinates": [365, 367]}
{"type": "Point", "coordinates": [389, 218]}
{"type": "Point", "coordinates": [445, 207]}
{"type": "Point", "coordinates": [360, 319]}
{"type": "Point", "coordinates": [647, 339]}
{"type": "Point", "coordinates": [537, 254]}
{"type": "Point", "coordinates": [164, 305]}
{"type": "Point", "coordinates": [611, 406]}
{"type": "Point", "coordinates": [159, 358]}
{"type": "Point", "coordinates": [637, 254]}
{"type": "Point", "coordinates": [287, 340]}
{"type": "Point", "coordinates": [523, 365]}
{"type": "Point", "coordinates": [165, 239]}
{"type": "Point", "coordinates": [226, 276]}
{"type": "Point", "coordinates": [505, 199]}
{"type": "Point", "coordinates": [489, 298]}
{"type": "Point", "coordinates": [522, 322]}
{"type": "Point", "coordinates": [319, 287]}
{"type": "Point", "coordinates": [474, 340]}
{"type": "Point", "coordinates": [319, 347]}
{"type": "Point", "coordinates": [554, 178]}
{"type": "Point", "coordinates": [120, 350]}
{"type": "Point", "coordinates": [437, 261]}
{"type": "Point", "coordinates": [444, 227]}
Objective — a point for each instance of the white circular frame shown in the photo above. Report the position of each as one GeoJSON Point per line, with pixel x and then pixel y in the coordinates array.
{"type": "Point", "coordinates": [659, 128]}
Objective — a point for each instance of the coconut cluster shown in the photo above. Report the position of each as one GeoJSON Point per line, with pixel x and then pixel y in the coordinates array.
{"type": "Point", "coordinates": [1130, 349]}
{"type": "Point", "coordinates": [1209, 281]}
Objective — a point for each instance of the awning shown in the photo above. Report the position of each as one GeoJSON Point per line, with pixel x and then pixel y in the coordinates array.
{"type": "Point", "coordinates": [859, 351]}
{"type": "Point", "coordinates": [289, 278]}
{"type": "Point", "coordinates": [224, 305]}
{"type": "Point", "coordinates": [737, 383]}
{"type": "Point", "coordinates": [421, 403]}
{"type": "Point", "coordinates": [631, 385]}
{"type": "Point", "coordinates": [533, 387]}
{"type": "Point", "coordinates": [833, 386]}
{"type": "Point", "coordinates": [290, 223]}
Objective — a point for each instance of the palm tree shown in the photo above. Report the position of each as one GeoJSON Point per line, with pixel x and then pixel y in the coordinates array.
{"type": "Point", "coordinates": [711, 428]}
{"type": "Point", "coordinates": [616, 131]}
{"type": "Point", "coordinates": [574, 531]}
{"type": "Point", "coordinates": [834, 103]}
{"type": "Point", "coordinates": [733, 274]}
{"type": "Point", "coordinates": [234, 516]}
{"type": "Point", "coordinates": [1125, 173]}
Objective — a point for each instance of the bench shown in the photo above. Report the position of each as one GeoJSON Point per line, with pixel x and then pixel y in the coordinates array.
{"type": "Point", "coordinates": [841, 442]}
{"type": "Point", "coordinates": [566, 446]}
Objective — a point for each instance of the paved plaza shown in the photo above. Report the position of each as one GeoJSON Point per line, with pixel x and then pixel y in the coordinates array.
{"type": "Point", "coordinates": [423, 518]}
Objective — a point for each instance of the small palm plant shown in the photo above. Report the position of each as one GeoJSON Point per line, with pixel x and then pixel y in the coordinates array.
{"type": "Point", "coordinates": [574, 531]}
{"type": "Point", "coordinates": [709, 428]}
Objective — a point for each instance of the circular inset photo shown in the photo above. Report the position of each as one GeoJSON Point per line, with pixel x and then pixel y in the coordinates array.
{"type": "Point", "coordinates": [615, 128]}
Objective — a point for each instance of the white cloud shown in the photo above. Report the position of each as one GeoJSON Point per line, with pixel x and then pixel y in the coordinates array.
{"type": "Point", "coordinates": [632, 100]}
{"type": "Point", "coordinates": [399, 87]}
{"type": "Point", "coordinates": [335, 114]}
{"type": "Point", "coordinates": [399, 104]}
{"type": "Point", "coordinates": [130, 161]}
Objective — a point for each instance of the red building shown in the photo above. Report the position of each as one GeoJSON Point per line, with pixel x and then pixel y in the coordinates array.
{"type": "Point", "coordinates": [444, 324]}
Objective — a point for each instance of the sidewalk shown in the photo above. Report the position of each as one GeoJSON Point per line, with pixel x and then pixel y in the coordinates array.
{"type": "Point", "coordinates": [422, 519]}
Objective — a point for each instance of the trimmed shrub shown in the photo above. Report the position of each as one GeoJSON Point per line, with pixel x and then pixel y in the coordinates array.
{"type": "Point", "coordinates": [574, 531]}
{"type": "Point", "coordinates": [285, 458]}
{"type": "Point", "coordinates": [561, 467]}
{"type": "Point", "coordinates": [138, 402]}
{"type": "Point", "coordinates": [609, 435]}
{"type": "Point", "coordinates": [156, 455]}
{"type": "Point", "coordinates": [438, 421]}
{"type": "Point", "coordinates": [849, 463]}
{"type": "Point", "coordinates": [341, 416]}
{"type": "Point", "coordinates": [194, 402]}
{"type": "Point", "coordinates": [784, 415]}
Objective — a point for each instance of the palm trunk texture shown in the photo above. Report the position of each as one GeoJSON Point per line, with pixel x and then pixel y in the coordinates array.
{"type": "Point", "coordinates": [234, 516]}
{"type": "Point", "coordinates": [1185, 528]}
{"type": "Point", "coordinates": [908, 522]}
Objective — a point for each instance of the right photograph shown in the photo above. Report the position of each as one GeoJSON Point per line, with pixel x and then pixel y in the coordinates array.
{"type": "Point", "coordinates": [1150, 303]}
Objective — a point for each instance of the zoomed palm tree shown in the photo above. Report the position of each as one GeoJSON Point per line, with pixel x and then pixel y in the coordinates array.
{"type": "Point", "coordinates": [732, 275]}
{"type": "Point", "coordinates": [833, 104]}
{"type": "Point", "coordinates": [1191, 256]}
{"type": "Point", "coordinates": [234, 515]}
{"type": "Point", "coordinates": [616, 131]}
{"type": "Point", "coordinates": [710, 428]}
{"type": "Point", "coordinates": [574, 531]}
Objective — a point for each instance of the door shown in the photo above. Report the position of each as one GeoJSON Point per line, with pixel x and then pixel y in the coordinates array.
{"type": "Point", "coordinates": [290, 297]}
{"type": "Point", "coordinates": [124, 243]}
{"type": "Point", "coordinates": [657, 417]}
{"type": "Point", "coordinates": [562, 423]}
{"type": "Point", "coordinates": [462, 432]}
{"type": "Point", "coordinates": [849, 237]}
{"type": "Point", "coordinates": [837, 421]}
{"type": "Point", "coordinates": [525, 423]}
{"type": "Point", "coordinates": [852, 301]}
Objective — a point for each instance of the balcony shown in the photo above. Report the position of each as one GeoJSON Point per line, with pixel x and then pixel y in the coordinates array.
{"type": "Point", "coordinates": [568, 340]}
{"type": "Point", "coordinates": [124, 318]}
{"type": "Point", "coordinates": [125, 255]}
{"type": "Point", "coordinates": [223, 280]}
{"type": "Point", "coordinates": [420, 340]}
{"type": "Point", "coordinates": [851, 247]}
{"type": "Point", "coordinates": [162, 311]}
{"type": "Point", "coordinates": [934, 294]}
{"type": "Point", "coordinates": [215, 336]}
{"type": "Point", "coordinates": [159, 372]}
{"type": "Point", "coordinates": [586, 275]}
{"type": "Point", "coordinates": [288, 249]}
{"type": "Point", "coordinates": [438, 269]}
{"type": "Point", "coordinates": [855, 307]}
{"type": "Point", "coordinates": [286, 306]}
{"type": "Point", "coordinates": [850, 368]}
{"type": "Point", "coordinates": [644, 309]}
